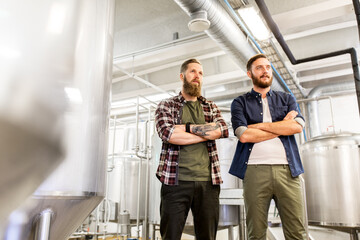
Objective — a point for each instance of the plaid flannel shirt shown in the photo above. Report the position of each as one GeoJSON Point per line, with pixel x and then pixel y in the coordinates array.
{"type": "Point", "coordinates": [167, 115]}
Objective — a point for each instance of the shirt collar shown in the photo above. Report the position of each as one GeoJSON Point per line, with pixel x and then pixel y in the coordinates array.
{"type": "Point", "coordinates": [182, 99]}
{"type": "Point", "coordinates": [254, 93]}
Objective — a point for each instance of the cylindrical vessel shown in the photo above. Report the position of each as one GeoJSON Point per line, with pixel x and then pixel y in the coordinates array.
{"type": "Point", "coordinates": [36, 58]}
{"type": "Point", "coordinates": [332, 176]}
{"type": "Point", "coordinates": [78, 184]}
{"type": "Point", "coordinates": [124, 178]}
{"type": "Point", "coordinates": [124, 221]}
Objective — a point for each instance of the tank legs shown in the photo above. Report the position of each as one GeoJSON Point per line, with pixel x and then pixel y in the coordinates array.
{"type": "Point", "coordinates": [242, 223]}
{"type": "Point", "coordinates": [354, 234]}
{"type": "Point", "coordinates": [42, 231]}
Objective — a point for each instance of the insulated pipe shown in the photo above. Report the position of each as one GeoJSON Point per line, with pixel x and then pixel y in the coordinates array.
{"type": "Point", "coordinates": [274, 28]}
{"type": "Point", "coordinates": [43, 224]}
{"type": "Point", "coordinates": [227, 34]}
{"type": "Point", "coordinates": [223, 29]}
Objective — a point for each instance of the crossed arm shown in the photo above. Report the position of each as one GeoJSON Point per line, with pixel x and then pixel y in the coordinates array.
{"type": "Point", "coordinates": [198, 133]}
{"type": "Point", "coordinates": [264, 131]}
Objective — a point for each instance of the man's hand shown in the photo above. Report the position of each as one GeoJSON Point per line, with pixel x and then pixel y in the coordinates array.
{"type": "Point", "coordinates": [291, 115]}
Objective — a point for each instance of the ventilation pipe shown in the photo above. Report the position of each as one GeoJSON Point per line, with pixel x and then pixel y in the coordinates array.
{"type": "Point", "coordinates": [225, 32]}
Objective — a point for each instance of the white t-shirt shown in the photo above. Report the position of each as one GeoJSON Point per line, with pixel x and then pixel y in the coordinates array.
{"type": "Point", "coordinates": [270, 151]}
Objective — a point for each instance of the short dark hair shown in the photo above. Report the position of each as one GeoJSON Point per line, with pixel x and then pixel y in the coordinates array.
{"type": "Point", "coordinates": [184, 66]}
{"type": "Point", "coordinates": [253, 59]}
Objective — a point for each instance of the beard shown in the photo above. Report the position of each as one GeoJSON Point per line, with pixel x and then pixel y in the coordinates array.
{"type": "Point", "coordinates": [193, 90]}
{"type": "Point", "coordinates": [257, 81]}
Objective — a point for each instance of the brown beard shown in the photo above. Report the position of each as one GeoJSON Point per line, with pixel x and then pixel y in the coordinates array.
{"type": "Point", "coordinates": [191, 89]}
{"type": "Point", "coordinates": [257, 82]}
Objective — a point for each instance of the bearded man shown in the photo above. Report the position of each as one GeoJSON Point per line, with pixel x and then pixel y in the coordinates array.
{"type": "Point", "coordinates": [189, 167]}
{"type": "Point", "coordinates": [267, 157]}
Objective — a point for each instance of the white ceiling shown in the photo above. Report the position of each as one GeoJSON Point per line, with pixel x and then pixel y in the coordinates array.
{"type": "Point", "coordinates": [152, 39]}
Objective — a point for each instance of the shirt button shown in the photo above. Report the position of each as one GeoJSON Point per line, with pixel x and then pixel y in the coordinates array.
{"type": "Point", "coordinates": [260, 113]}
{"type": "Point", "coordinates": [249, 149]}
{"type": "Point", "coordinates": [260, 102]}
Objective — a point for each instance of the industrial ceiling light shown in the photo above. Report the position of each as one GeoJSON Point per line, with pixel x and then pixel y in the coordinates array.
{"type": "Point", "coordinates": [199, 21]}
{"type": "Point", "coordinates": [254, 23]}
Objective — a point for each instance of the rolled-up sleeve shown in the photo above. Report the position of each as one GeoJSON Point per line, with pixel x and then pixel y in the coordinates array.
{"type": "Point", "coordinates": [239, 131]}
{"type": "Point", "coordinates": [238, 120]}
{"type": "Point", "coordinates": [219, 120]}
{"type": "Point", "coordinates": [164, 121]}
{"type": "Point", "coordinates": [294, 106]}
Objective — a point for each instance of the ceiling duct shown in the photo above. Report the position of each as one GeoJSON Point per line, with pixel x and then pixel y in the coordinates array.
{"type": "Point", "coordinates": [225, 32]}
{"type": "Point", "coordinates": [199, 21]}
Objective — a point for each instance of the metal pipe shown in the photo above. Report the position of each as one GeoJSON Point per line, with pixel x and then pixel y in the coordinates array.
{"type": "Point", "coordinates": [113, 148]}
{"type": "Point", "coordinates": [354, 234]}
{"type": "Point", "coordinates": [242, 224]}
{"type": "Point", "coordinates": [303, 190]}
{"type": "Point", "coordinates": [148, 147]}
{"type": "Point", "coordinates": [173, 43]}
{"type": "Point", "coordinates": [299, 87]}
{"type": "Point", "coordinates": [97, 221]}
{"type": "Point", "coordinates": [43, 224]}
{"type": "Point", "coordinates": [139, 173]}
{"type": "Point", "coordinates": [132, 75]}
{"type": "Point", "coordinates": [279, 84]}
{"type": "Point", "coordinates": [275, 30]}
{"type": "Point", "coordinates": [312, 107]}
{"type": "Point", "coordinates": [315, 113]}
{"type": "Point", "coordinates": [357, 13]}
{"type": "Point", "coordinates": [223, 29]}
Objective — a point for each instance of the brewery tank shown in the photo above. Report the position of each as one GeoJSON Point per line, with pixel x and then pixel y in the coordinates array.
{"type": "Point", "coordinates": [34, 62]}
{"type": "Point", "coordinates": [126, 173]}
{"type": "Point", "coordinates": [77, 186]}
{"type": "Point", "coordinates": [332, 176]}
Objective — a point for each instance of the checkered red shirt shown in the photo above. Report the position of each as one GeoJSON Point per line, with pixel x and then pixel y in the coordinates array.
{"type": "Point", "coordinates": [167, 115]}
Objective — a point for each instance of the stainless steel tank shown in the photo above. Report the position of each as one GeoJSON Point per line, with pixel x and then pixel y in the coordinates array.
{"type": "Point", "coordinates": [124, 178]}
{"type": "Point", "coordinates": [36, 52]}
{"type": "Point", "coordinates": [78, 184]}
{"type": "Point", "coordinates": [332, 177]}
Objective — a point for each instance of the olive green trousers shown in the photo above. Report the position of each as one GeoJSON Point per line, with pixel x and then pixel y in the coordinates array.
{"type": "Point", "coordinates": [262, 183]}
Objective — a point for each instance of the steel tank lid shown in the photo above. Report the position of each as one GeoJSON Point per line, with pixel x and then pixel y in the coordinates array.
{"type": "Point", "coordinates": [343, 138]}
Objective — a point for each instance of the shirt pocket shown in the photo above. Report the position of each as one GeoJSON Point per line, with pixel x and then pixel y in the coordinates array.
{"type": "Point", "coordinates": [280, 112]}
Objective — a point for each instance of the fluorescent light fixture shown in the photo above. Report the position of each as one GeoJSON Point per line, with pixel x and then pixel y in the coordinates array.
{"type": "Point", "coordinates": [254, 23]}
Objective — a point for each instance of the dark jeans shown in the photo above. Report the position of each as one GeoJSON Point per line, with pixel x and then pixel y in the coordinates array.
{"type": "Point", "coordinates": [176, 201]}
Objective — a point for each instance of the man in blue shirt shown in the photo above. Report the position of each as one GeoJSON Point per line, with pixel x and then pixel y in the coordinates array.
{"type": "Point", "coordinates": [267, 157]}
